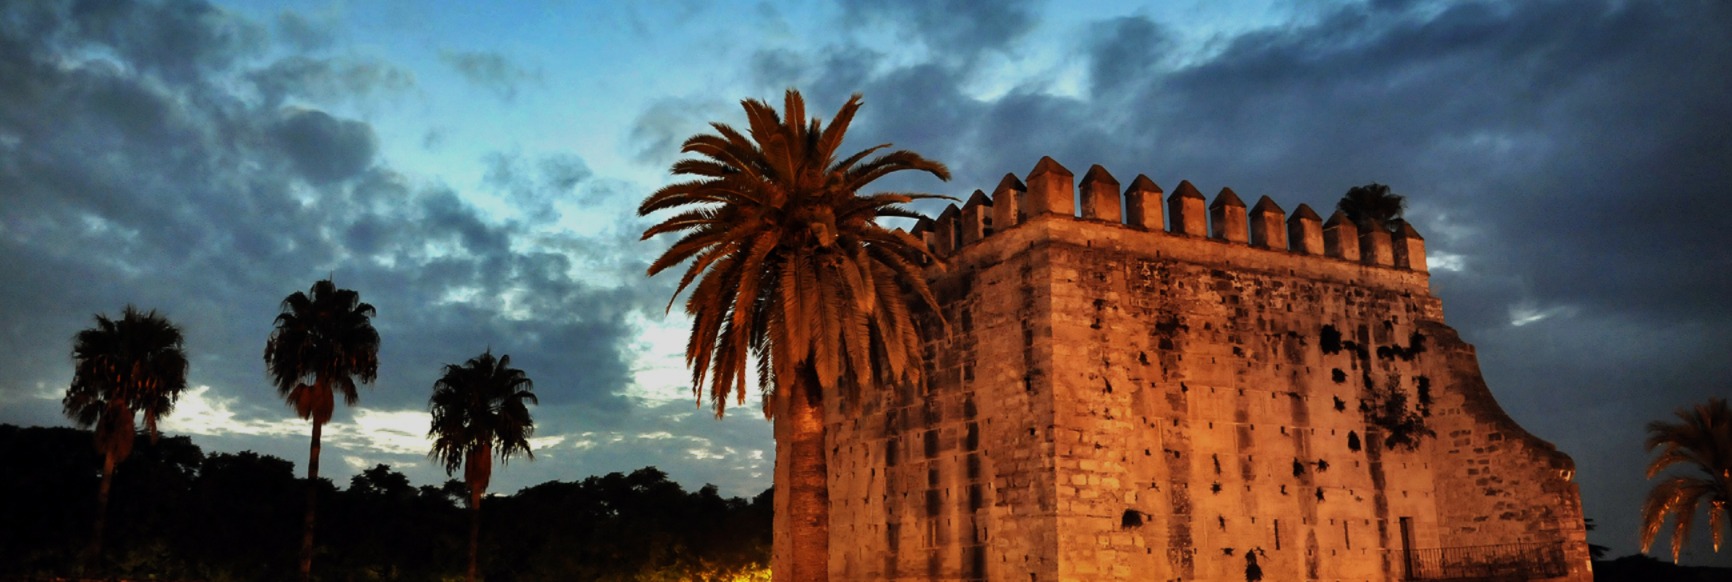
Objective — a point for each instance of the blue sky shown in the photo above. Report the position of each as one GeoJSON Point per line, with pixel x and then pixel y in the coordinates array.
{"type": "Point", "coordinates": [473, 172]}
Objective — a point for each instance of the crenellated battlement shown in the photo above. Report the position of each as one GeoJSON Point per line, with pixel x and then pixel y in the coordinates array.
{"type": "Point", "coordinates": [1050, 189]}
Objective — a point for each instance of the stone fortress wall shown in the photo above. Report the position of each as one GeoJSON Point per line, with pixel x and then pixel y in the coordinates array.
{"type": "Point", "coordinates": [1118, 399]}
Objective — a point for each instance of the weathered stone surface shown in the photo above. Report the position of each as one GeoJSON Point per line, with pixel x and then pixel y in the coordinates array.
{"type": "Point", "coordinates": [1051, 189]}
{"type": "Point", "coordinates": [1007, 202]}
{"type": "Point", "coordinates": [1268, 225]}
{"type": "Point", "coordinates": [1341, 237]}
{"type": "Point", "coordinates": [1100, 195]}
{"type": "Point", "coordinates": [1409, 248]}
{"type": "Point", "coordinates": [1305, 231]}
{"type": "Point", "coordinates": [1112, 403]}
{"type": "Point", "coordinates": [976, 218]}
{"type": "Point", "coordinates": [1185, 208]}
{"type": "Point", "coordinates": [1227, 217]}
{"type": "Point", "coordinates": [1143, 205]}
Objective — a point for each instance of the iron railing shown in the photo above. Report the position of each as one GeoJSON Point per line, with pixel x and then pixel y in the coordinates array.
{"type": "Point", "coordinates": [1523, 561]}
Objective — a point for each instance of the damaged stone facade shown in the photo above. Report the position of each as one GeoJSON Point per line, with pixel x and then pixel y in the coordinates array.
{"type": "Point", "coordinates": [1240, 393]}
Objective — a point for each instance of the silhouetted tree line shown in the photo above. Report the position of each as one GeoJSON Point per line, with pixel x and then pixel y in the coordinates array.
{"type": "Point", "coordinates": [177, 513]}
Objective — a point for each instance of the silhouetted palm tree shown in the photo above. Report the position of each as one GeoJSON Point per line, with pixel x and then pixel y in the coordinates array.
{"type": "Point", "coordinates": [1702, 441]}
{"type": "Point", "coordinates": [323, 342]}
{"type": "Point", "coordinates": [479, 411]}
{"type": "Point", "coordinates": [1372, 204]}
{"type": "Point", "coordinates": [795, 273]}
{"type": "Point", "coordinates": [122, 368]}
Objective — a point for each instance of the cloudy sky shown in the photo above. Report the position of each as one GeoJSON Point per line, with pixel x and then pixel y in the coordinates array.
{"type": "Point", "coordinates": [473, 174]}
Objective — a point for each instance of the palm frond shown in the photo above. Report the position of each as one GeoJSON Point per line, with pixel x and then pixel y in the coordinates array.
{"type": "Point", "coordinates": [1701, 440]}
{"type": "Point", "coordinates": [786, 261]}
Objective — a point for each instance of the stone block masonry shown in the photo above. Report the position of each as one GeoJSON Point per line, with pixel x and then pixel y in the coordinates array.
{"type": "Point", "coordinates": [1120, 400]}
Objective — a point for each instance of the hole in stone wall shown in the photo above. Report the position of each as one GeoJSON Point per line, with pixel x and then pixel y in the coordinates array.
{"type": "Point", "coordinates": [1353, 441]}
{"type": "Point", "coordinates": [1215, 487]}
{"type": "Point", "coordinates": [1298, 467]}
{"type": "Point", "coordinates": [1330, 340]}
{"type": "Point", "coordinates": [1131, 519]}
{"type": "Point", "coordinates": [1322, 465]}
{"type": "Point", "coordinates": [1319, 493]}
{"type": "Point", "coordinates": [1340, 405]}
{"type": "Point", "coordinates": [1338, 376]}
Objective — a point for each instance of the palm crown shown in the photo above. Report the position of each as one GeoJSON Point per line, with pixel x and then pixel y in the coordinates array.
{"type": "Point", "coordinates": [1372, 205]}
{"type": "Point", "coordinates": [481, 405]}
{"type": "Point", "coordinates": [792, 266]}
{"type": "Point", "coordinates": [323, 342]}
{"type": "Point", "coordinates": [1702, 440]}
{"type": "Point", "coordinates": [136, 364]}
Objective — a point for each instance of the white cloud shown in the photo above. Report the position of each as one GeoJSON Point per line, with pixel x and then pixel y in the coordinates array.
{"type": "Point", "coordinates": [1520, 315]}
{"type": "Point", "coordinates": [1445, 261]}
{"type": "Point", "coordinates": [202, 411]}
{"type": "Point", "coordinates": [545, 443]}
{"type": "Point", "coordinates": [402, 432]}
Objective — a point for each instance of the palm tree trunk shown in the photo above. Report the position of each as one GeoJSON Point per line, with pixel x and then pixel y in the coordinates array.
{"type": "Point", "coordinates": [312, 502]}
{"type": "Point", "coordinates": [108, 463]}
{"type": "Point", "coordinates": [474, 530]}
{"type": "Point", "coordinates": [801, 544]}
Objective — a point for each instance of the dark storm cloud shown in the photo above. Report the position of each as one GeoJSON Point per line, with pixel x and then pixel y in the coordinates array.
{"type": "Point", "coordinates": [1124, 54]}
{"type": "Point", "coordinates": [950, 27]}
{"type": "Point", "coordinates": [175, 41]}
{"type": "Point", "coordinates": [326, 80]}
{"type": "Point", "coordinates": [1564, 160]}
{"type": "Point", "coordinates": [325, 149]}
{"type": "Point", "coordinates": [1577, 130]}
{"type": "Point", "coordinates": [491, 71]}
{"type": "Point", "coordinates": [146, 157]}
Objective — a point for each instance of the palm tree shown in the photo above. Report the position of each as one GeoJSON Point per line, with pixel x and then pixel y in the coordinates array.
{"type": "Point", "coordinates": [796, 280]}
{"type": "Point", "coordinates": [1372, 204]}
{"type": "Point", "coordinates": [1702, 440]}
{"type": "Point", "coordinates": [122, 368]}
{"type": "Point", "coordinates": [478, 411]}
{"type": "Point", "coordinates": [323, 342]}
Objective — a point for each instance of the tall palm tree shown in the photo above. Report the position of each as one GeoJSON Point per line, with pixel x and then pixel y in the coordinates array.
{"type": "Point", "coordinates": [797, 280]}
{"type": "Point", "coordinates": [1372, 205]}
{"type": "Point", "coordinates": [1701, 441]}
{"type": "Point", "coordinates": [123, 368]}
{"type": "Point", "coordinates": [322, 343]}
{"type": "Point", "coordinates": [479, 411]}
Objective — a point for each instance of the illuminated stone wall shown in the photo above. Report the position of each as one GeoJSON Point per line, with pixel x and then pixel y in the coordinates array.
{"type": "Point", "coordinates": [1120, 400]}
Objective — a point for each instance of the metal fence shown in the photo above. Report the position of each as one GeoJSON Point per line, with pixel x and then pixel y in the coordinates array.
{"type": "Point", "coordinates": [1524, 561]}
